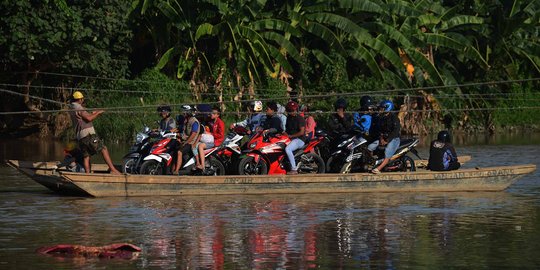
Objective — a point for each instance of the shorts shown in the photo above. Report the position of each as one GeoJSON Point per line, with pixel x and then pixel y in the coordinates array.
{"type": "Point", "coordinates": [390, 149]}
{"type": "Point", "coordinates": [90, 145]}
{"type": "Point", "coordinates": [196, 148]}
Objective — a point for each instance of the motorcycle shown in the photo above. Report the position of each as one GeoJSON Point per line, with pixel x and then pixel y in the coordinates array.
{"type": "Point", "coordinates": [230, 150]}
{"type": "Point", "coordinates": [131, 162]}
{"type": "Point", "coordinates": [349, 149]}
{"type": "Point", "coordinates": [266, 155]}
{"type": "Point", "coordinates": [161, 158]}
{"type": "Point", "coordinates": [361, 161]}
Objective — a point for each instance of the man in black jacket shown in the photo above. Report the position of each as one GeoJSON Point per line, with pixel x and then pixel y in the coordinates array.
{"type": "Point", "coordinates": [442, 154]}
{"type": "Point", "coordinates": [340, 122]}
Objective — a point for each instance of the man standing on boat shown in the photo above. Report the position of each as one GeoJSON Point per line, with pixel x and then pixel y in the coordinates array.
{"type": "Point", "coordinates": [442, 154]}
{"type": "Point", "coordinates": [88, 140]}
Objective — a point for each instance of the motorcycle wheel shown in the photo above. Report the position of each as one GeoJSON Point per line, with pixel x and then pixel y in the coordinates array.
{"type": "Point", "coordinates": [310, 163]}
{"type": "Point", "coordinates": [407, 164]}
{"type": "Point", "coordinates": [215, 167]}
{"type": "Point", "coordinates": [151, 167]}
{"type": "Point", "coordinates": [346, 168]}
{"type": "Point", "coordinates": [129, 166]}
{"type": "Point", "coordinates": [248, 166]}
{"type": "Point", "coordinates": [332, 165]}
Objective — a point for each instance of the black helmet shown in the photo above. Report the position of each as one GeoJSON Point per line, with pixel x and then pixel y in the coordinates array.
{"type": "Point", "coordinates": [340, 103]}
{"type": "Point", "coordinates": [444, 136]}
{"type": "Point", "coordinates": [365, 103]}
{"type": "Point", "coordinates": [164, 108]}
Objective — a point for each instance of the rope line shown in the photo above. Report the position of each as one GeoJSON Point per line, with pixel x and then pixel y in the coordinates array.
{"type": "Point", "coordinates": [32, 97]}
{"type": "Point", "coordinates": [279, 98]}
{"type": "Point", "coordinates": [232, 95]}
{"type": "Point", "coordinates": [311, 112]}
{"type": "Point", "coordinates": [228, 87]}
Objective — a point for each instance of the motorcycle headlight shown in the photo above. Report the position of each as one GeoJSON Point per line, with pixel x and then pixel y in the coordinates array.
{"type": "Point", "coordinates": [253, 145]}
{"type": "Point", "coordinates": [139, 138]}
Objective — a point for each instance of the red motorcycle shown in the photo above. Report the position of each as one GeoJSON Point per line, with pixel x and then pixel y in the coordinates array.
{"type": "Point", "coordinates": [163, 155]}
{"type": "Point", "coordinates": [266, 155]}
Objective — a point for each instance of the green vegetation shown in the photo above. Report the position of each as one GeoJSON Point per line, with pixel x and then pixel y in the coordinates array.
{"type": "Point", "coordinates": [226, 51]}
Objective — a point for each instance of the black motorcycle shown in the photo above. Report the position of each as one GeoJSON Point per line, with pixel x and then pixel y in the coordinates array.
{"type": "Point", "coordinates": [351, 148]}
{"type": "Point", "coordinates": [335, 149]}
{"type": "Point", "coordinates": [360, 160]}
{"type": "Point", "coordinates": [132, 161]}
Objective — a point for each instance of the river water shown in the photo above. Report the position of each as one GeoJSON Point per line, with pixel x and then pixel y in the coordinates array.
{"type": "Point", "coordinates": [475, 230]}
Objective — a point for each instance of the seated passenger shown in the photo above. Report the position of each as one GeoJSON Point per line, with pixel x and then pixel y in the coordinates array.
{"type": "Point", "coordinates": [167, 123]}
{"type": "Point", "coordinates": [388, 131]}
{"type": "Point", "coordinates": [311, 125]}
{"type": "Point", "coordinates": [442, 154]}
{"type": "Point", "coordinates": [255, 117]}
{"type": "Point", "coordinates": [204, 141]}
{"type": "Point", "coordinates": [272, 122]}
{"type": "Point", "coordinates": [296, 130]}
{"type": "Point", "coordinates": [218, 126]}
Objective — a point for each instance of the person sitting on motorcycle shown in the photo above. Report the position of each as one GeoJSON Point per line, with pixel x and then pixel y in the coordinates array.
{"type": "Point", "coordinates": [362, 120]}
{"type": "Point", "coordinates": [188, 136]}
{"type": "Point", "coordinates": [296, 130]}
{"type": "Point", "coordinates": [389, 131]}
{"type": "Point", "coordinates": [442, 154]}
{"type": "Point", "coordinates": [310, 122]}
{"type": "Point", "coordinates": [205, 140]}
{"type": "Point", "coordinates": [280, 113]}
{"type": "Point", "coordinates": [217, 125]}
{"type": "Point", "coordinates": [340, 122]}
{"type": "Point", "coordinates": [255, 118]}
{"type": "Point", "coordinates": [167, 123]}
{"type": "Point", "coordinates": [272, 122]}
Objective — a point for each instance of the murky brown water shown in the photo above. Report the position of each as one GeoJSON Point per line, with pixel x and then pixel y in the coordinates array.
{"type": "Point", "coordinates": [476, 230]}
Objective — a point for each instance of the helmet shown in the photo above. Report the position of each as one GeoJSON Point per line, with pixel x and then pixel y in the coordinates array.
{"type": "Point", "coordinates": [256, 105]}
{"type": "Point", "coordinates": [204, 108]}
{"type": "Point", "coordinates": [291, 106]}
{"type": "Point", "coordinates": [365, 103]}
{"type": "Point", "coordinates": [444, 136]}
{"type": "Point", "coordinates": [164, 108]}
{"type": "Point", "coordinates": [188, 109]}
{"type": "Point", "coordinates": [340, 103]}
{"type": "Point", "coordinates": [387, 105]}
{"type": "Point", "coordinates": [77, 95]}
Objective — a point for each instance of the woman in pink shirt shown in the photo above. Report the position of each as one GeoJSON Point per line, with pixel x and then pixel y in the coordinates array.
{"type": "Point", "coordinates": [310, 122]}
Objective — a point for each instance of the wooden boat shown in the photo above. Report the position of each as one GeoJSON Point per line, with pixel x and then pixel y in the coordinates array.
{"type": "Point", "coordinates": [102, 184]}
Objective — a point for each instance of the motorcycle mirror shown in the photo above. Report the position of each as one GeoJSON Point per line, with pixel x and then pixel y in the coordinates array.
{"type": "Point", "coordinates": [146, 130]}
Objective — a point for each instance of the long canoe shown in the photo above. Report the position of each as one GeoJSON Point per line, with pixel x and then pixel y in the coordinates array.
{"type": "Point", "coordinates": [103, 184]}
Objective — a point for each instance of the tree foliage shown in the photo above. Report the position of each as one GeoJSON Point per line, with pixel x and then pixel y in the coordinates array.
{"type": "Point", "coordinates": [76, 37]}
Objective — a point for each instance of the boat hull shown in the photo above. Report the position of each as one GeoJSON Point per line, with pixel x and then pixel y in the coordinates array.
{"type": "Point", "coordinates": [487, 179]}
{"type": "Point", "coordinates": [103, 184]}
{"type": "Point", "coordinates": [45, 174]}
